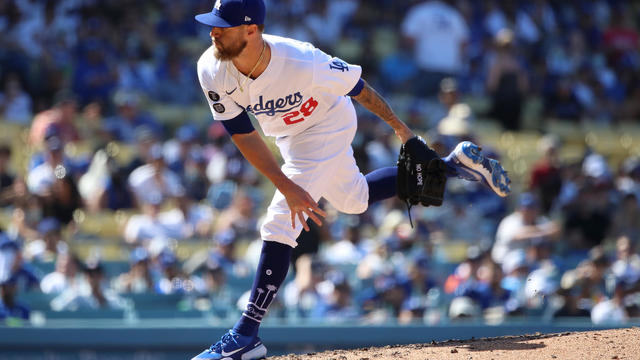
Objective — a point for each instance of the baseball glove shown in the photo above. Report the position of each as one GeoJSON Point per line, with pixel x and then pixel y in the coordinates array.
{"type": "Point", "coordinates": [421, 174]}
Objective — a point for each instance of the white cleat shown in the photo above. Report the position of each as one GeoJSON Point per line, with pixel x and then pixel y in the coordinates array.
{"type": "Point", "coordinates": [470, 164]}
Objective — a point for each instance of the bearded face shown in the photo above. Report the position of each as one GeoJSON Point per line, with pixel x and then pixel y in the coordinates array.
{"type": "Point", "coordinates": [228, 43]}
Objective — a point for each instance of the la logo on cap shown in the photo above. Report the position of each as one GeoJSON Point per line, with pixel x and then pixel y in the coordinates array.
{"type": "Point", "coordinates": [246, 18]}
{"type": "Point", "coordinates": [217, 5]}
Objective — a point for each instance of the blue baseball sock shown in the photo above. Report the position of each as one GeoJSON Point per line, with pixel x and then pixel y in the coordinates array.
{"type": "Point", "coordinates": [382, 183]}
{"type": "Point", "coordinates": [272, 269]}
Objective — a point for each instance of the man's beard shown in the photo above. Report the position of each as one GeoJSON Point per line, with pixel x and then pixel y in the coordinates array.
{"type": "Point", "coordinates": [230, 51]}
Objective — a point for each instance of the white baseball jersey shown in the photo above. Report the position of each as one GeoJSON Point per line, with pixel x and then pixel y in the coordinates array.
{"type": "Point", "coordinates": [300, 87]}
{"type": "Point", "coordinates": [300, 99]}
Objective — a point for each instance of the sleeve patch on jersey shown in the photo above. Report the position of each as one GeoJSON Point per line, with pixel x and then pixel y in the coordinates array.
{"type": "Point", "coordinates": [213, 96]}
{"type": "Point", "coordinates": [219, 108]}
{"type": "Point", "coordinates": [338, 64]}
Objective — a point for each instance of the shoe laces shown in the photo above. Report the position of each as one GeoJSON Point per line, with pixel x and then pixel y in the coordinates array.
{"type": "Point", "coordinates": [226, 338]}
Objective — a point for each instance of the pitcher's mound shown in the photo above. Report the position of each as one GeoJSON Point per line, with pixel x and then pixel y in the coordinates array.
{"type": "Point", "coordinates": [601, 344]}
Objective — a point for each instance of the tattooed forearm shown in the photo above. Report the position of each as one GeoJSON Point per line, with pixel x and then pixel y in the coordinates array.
{"type": "Point", "coordinates": [374, 102]}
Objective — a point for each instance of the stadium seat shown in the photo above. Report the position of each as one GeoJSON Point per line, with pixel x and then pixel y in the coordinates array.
{"type": "Point", "coordinates": [123, 153]}
{"type": "Point", "coordinates": [42, 267]}
{"type": "Point", "coordinates": [441, 270]}
{"type": "Point", "coordinates": [36, 300]}
{"type": "Point", "coordinates": [5, 217]}
{"type": "Point", "coordinates": [13, 134]}
{"type": "Point", "coordinates": [168, 314]}
{"type": "Point", "coordinates": [86, 314]}
{"type": "Point", "coordinates": [115, 268]}
{"type": "Point", "coordinates": [156, 301]}
{"type": "Point", "coordinates": [79, 149]}
{"type": "Point", "coordinates": [105, 224]}
{"type": "Point", "coordinates": [238, 285]}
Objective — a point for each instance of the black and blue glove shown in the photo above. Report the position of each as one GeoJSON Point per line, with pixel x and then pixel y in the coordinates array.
{"type": "Point", "coordinates": [422, 175]}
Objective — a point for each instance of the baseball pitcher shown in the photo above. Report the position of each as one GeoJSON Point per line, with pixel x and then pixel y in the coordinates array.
{"type": "Point", "coordinates": [303, 97]}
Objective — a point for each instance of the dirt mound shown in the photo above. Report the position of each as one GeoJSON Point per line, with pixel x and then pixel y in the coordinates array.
{"type": "Point", "coordinates": [601, 344]}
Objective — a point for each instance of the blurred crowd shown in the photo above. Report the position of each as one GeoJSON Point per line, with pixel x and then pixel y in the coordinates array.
{"type": "Point", "coordinates": [87, 73]}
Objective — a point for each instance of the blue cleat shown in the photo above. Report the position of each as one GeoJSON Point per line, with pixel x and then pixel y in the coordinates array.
{"type": "Point", "coordinates": [467, 162]}
{"type": "Point", "coordinates": [233, 346]}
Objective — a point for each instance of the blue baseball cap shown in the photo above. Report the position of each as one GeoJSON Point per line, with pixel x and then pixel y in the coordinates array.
{"type": "Point", "coordinates": [167, 258]}
{"type": "Point", "coordinates": [53, 143]}
{"type": "Point", "coordinates": [49, 224]}
{"type": "Point", "coordinates": [231, 13]}
{"type": "Point", "coordinates": [187, 133]}
{"type": "Point", "coordinates": [528, 200]}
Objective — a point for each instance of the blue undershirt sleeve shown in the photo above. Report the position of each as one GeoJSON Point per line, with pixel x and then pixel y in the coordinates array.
{"type": "Point", "coordinates": [240, 124]}
{"type": "Point", "coordinates": [356, 89]}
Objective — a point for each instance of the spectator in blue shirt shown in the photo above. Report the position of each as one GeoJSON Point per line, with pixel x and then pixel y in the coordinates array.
{"type": "Point", "coordinates": [9, 307]}
{"type": "Point", "coordinates": [337, 305]}
{"type": "Point", "coordinates": [177, 73]}
{"type": "Point", "coordinates": [486, 291]}
{"type": "Point", "coordinates": [177, 151]}
{"type": "Point", "coordinates": [13, 278]}
{"type": "Point", "coordinates": [195, 177]}
{"type": "Point", "coordinates": [95, 77]}
{"type": "Point", "coordinates": [129, 118]}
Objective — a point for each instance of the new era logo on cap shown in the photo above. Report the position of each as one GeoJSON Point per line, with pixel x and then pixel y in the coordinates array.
{"type": "Point", "coordinates": [231, 13]}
